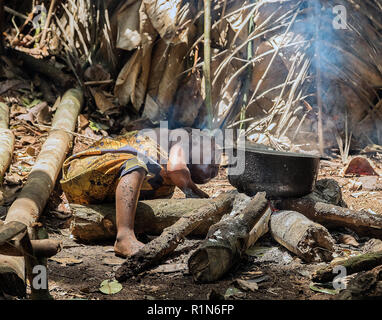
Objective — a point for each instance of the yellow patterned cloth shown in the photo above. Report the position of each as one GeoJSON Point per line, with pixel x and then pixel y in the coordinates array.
{"type": "Point", "coordinates": [92, 176]}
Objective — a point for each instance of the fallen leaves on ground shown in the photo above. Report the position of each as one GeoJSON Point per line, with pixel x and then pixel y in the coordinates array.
{"type": "Point", "coordinates": [66, 261]}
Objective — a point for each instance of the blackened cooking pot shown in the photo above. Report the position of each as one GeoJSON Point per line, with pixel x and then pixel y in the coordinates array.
{"type": "Point", "coordinates": [279, 174]}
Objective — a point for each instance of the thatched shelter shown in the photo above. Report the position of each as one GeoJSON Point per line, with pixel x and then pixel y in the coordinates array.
{"type": "Point", "coordinates": [296, 75]}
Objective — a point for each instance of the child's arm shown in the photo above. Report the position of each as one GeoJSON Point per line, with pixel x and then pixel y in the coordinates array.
{"type": "Point", "coordinates": [180, 175]}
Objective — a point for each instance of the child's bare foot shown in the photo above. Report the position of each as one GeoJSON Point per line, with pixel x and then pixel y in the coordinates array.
{"type": "Point", "coordinates": [127, 246]}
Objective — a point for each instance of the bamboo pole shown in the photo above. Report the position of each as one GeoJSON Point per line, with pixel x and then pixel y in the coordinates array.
{"type": "Point", "coordinates": [40, 183]}
{"type": "Point", "coordinates": [248, 76]}
{"type": "Point", "coordinates": [207, 60]}
{"type": "Point", "coordinates": [319, 79]}
{"type": "Point", "coordinates": [7, 141]}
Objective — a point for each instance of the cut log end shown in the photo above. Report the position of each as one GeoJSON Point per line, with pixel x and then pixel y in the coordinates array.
{"type": "Point", "coordinates": [307, 239]}
{"type": "Point", "coordinates": [226, 241]}
{"type": "Point", "coordinates": [206, 264]}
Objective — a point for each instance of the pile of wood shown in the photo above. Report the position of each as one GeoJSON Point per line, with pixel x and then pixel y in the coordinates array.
{"type": "Point", "coordinates": [300, 225]}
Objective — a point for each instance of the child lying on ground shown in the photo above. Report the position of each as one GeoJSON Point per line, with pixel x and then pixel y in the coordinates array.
{"type": "Point", "coordinates": [131, 168]}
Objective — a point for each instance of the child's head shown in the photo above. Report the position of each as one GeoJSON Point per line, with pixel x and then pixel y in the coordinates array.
{"type": "Point", "coordinates": [203, 155]}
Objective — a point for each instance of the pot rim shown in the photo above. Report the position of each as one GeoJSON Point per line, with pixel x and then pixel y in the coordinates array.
{"type": "Point", "coordinates": [263, 150]}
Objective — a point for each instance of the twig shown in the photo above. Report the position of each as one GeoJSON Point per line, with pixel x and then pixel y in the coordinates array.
{"type": "Point", "coordinates": [67, 131]}
{"type": "Point", "coordinates": [15, 13]}
{"type": "Point", "coordinates": [47, 23]}
{"type": "Point", "coordinates": [91, 83]}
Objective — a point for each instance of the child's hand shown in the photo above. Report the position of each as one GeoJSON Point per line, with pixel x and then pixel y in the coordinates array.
{"type": "Point", "coordinates": [196, 193]}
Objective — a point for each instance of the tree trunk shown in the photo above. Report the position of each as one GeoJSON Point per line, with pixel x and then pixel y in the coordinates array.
{"type": "Point", "coordinates": [168, 241]}
{"type": "Point", "coordinates": [97, 222]}
{"type": "Point", "coordinates": [226, 242]}
{"type": "Point", "coordinates": [40, 183]}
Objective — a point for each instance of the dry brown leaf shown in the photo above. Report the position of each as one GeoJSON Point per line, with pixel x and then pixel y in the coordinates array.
{"type": "Point", "coordinates": [247, 285]}
{"type": "Point", "coordinates": [83, 122]}
{"type": "Point", "coordinates": [127, 78]}
{"type": "Point", "coordinates": [40, 112]}
{"type": "Point", "coordinates": [348, 239]}
{"type": "Point", "coordinates": [96, 72]}
{"type": "Point", "coordinates": [27, 140]}
{"type": "Point", "coordinates": [13, 178]}
{"type": "Point", "coordinates": [66, 261]}
{"type": "Point", "coordinates": [112, 261]}
{"type": "Point", "coordinates": [16, 110]}
{"type": "Point", "coordinates": [167, 16]}
{"type": "Point", "coordinates": [103, 103]}
{"type": "Point", "coordinates": [30, 151]}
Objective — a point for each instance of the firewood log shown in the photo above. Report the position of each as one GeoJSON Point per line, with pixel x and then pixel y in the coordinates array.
{"type": "Point", "coordinates": [226, 242]}
{"type": "Point", "coordinates": [325, 206]}
{"type": "Point", "coordinates": [44, 248]}
{"type": "Point", "coordinates": [305, 238]}
{"type": "Point", "coordinates": [260, 229]}
{"type": "Point", "coordinates": [170, 238]}
{"type": "Point", "coordinates": [97, 222]}
{"type": "Point", "coordinates": [362, 262]}
{"type": "Point", "coordinates": [40, 183]}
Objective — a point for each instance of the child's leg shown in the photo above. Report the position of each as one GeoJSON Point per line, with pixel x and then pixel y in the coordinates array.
{"type": "Point", "coordinates": [126, 196]}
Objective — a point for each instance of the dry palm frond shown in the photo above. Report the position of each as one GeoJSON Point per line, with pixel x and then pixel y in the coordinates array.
{"type": "Point", "coordinates": [316, 65]}
{"type": "Point", "coordinates": [83, 26]}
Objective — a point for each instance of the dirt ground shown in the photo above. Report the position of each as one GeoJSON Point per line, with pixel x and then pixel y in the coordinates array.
{"type": "Point", "coordinates": [78, 270]}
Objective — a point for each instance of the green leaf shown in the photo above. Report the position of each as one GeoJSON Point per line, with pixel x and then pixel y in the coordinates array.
{"type": "Point", "coordinates": [110, 287]}
{"type": "Point", "coordinates": [96, 126]}
{"type": "Point", "coordinates": [232, 292]}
